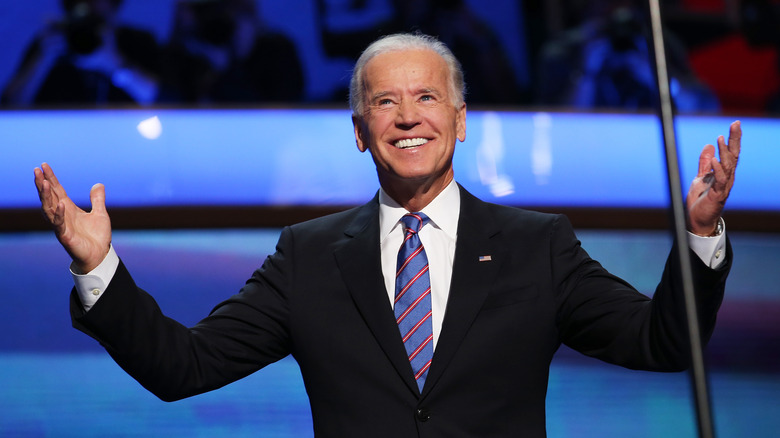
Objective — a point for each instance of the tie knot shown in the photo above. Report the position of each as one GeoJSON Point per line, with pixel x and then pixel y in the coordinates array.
{"type": "Point", "coordinates": [413, 222]}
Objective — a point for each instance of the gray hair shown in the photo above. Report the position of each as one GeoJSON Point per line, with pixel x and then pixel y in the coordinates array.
{"type": "Point", "coordinates": [405, 41]}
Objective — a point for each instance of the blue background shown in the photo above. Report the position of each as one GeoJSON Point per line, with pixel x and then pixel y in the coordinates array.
{"type": "Point", "coordinates": [308, 157]}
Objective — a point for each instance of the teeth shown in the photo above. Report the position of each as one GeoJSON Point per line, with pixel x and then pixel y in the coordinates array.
{"type": "Point", "coordinates": [410, 142]}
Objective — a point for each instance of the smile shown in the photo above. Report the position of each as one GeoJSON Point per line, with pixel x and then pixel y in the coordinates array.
{"type": "Point", "coordinates": [410, 143]}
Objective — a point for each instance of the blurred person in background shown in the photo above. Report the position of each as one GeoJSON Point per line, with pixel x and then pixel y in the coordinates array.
{"type": "Point", "coordinates": [486, 66]}
{"type": "Point", "coordinates": [606, 62]}
{"type": "Point", "coordinates": [748, 36]}
{"type": "Point", "coordinates": [87, 58]}
{"type": "Point", "coordinates": [219, 52]}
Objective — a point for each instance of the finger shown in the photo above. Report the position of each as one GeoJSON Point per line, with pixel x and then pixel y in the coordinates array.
{"type": "Point", "coordinates": [719, 172]}
{"type": "Point", "coordinates": [723, 182]}
{"type": "Point", "coordinates": [97, 196]}
{"type": "Point", "coordinates": [39, 182]}
{"type": "Point", "coordinates": [705, 160]}
{"type": "Point", "coordinates": [729, 152]}
{"type": "Point", "coordinates": [723, 150]}
{"type": "Point", "coordinates": [59, 215]}
{"type": "Point", "coordinates": [735, 138]}
{"type": "Point", "coordinates": [49, 175]}
{"type": "Point", "coordinates": [44, 189]}
{"type": "Point", "coordinates": [58, 220]}
{"type": "Point", "coordinates": [48, 204]}
{"type": "Point", "coordinates": [53, 210]}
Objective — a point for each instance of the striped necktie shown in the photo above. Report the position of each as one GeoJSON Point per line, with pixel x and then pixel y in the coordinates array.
{"type": "Point", "coordinates": [413, 298]}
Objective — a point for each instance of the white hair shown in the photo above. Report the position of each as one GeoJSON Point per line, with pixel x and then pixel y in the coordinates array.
{"type": "Point", "coordinates": [406, 41]}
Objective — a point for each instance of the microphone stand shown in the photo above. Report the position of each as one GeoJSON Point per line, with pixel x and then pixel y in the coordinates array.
{"type": "Point", "coordinates": [701, 393]}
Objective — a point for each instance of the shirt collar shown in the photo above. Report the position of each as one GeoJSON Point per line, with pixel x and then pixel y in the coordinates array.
{"type": "Point", "coordinates": [443, 211]}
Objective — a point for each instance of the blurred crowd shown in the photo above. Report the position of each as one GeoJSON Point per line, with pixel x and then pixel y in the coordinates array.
{"type": "Point", "coordinates": [218, 51]}
{"type": "Point", "coordinates": [722, 55]}
{"type": "Point", "coordinates": [579, 54]}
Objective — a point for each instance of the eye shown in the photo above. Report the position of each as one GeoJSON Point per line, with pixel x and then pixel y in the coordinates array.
{"type": "Point", "coordinates": [383, 102]}
{"type": "Point", "coordinates": [428, 98]}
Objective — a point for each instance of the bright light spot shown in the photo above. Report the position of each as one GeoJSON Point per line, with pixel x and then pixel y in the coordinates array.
{"type": "Point", "coordinates": [541, 148]}
{"type": "Point", "coordinates": [150, 128]}
{"type": "Point", "coordinates": [490, 157]}
{"type": "Point", "coordinates": [503, 186]}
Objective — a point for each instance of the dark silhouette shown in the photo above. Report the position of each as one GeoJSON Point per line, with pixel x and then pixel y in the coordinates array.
{"type": "Point", "coordinates": [606, 62]}
{"type": "Point", "coordinates": [491, 78]}
{"type": "Point", "coordinates": [220, 53]}
{"type": "Point", "coordinates": [87, 58]}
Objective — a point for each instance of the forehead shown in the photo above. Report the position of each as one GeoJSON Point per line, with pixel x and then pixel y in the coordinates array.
{"type": "Point", "coordinates": [402, 68]}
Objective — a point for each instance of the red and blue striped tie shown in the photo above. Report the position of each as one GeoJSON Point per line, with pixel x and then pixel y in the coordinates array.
{"type": "Point", "coordinates": [413, 298]}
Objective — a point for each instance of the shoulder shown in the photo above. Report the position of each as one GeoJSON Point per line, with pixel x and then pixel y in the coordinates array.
{"type": "Point", "coordinates": [506, 217]}
{"type": "Point", "coordinates": [328, 222]}
{"type": "Point", "coordinates": [347, 223]}
{"type": "Point", "coordinates": [325, 234]}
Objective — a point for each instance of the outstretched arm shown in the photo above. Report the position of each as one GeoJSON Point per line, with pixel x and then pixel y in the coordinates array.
{"type": "Point", "coordinates": [85, 236]}
{"type": "Point", "coordinates": [712, 185]}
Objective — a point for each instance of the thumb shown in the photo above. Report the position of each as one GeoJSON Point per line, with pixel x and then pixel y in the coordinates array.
{"type": "Point", "coordinates": [97, 196]}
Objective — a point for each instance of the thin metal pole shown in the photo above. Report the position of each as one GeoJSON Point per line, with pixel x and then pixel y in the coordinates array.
{"type": "Point", "coordinates": [698, 373]}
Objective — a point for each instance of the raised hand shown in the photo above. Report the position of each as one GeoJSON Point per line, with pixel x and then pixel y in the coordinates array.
{"type": "Point", "coordinates": [85, 236]}
{"type": "Point", "coordinates": [712, 185]}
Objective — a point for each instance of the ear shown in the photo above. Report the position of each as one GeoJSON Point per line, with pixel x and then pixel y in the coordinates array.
{"type": "Point", "coordinates": [357, 124]}
{"type": "Point", "coordinates": [460, 123]}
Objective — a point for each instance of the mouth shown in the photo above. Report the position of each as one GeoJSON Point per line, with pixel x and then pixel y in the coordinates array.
{"type": "Point", "coordinates": [408, 143]}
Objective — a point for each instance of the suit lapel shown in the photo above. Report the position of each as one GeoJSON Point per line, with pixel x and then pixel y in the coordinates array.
{"type": "Point", "coordinates": [471, 280]}
{"type": "Point", "coordinates": [361, 269]}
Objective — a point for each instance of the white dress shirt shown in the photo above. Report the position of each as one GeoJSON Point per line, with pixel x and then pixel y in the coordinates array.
{"type": "Point", "coordinates": [438, 237]}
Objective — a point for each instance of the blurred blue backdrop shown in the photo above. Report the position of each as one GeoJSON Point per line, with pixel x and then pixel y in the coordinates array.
{"type": "Point", "coordinates": [154, 157]}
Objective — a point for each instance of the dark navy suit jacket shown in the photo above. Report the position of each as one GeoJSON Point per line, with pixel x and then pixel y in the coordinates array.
{"type": "Point", "coordinates": [321, 297]}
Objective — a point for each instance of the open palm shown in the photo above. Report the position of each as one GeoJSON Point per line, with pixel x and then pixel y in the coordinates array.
{"type": "Point", "coordinates": [85, 236]}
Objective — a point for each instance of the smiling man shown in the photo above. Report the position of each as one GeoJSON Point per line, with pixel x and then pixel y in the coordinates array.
{"type": "Point", "coordinates": [410, 118]}
{"type": "Point", "coordinates": [425, 312]}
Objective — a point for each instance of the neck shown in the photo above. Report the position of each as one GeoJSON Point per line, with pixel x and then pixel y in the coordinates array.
{"type": "Point", "coordinates": [414, 197]}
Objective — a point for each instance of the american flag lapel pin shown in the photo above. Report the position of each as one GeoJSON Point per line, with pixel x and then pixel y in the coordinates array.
{"type": "Point", "coordinates": [485, 258]}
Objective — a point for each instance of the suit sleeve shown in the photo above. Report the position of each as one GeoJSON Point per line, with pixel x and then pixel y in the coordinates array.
{"type": "Point", "coordinates": [603, 316]}
{"type": "Point", "coordinates": [240, 336]}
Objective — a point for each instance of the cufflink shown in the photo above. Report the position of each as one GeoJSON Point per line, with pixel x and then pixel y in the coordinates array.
{"type": "Point", "coordinates": [719, 227]}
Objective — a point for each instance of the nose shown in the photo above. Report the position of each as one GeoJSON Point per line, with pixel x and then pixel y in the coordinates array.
{"type": "Point", "coordinates": [408, 114]}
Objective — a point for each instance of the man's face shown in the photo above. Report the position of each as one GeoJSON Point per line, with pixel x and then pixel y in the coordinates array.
{"type": "Point", "coordinates": [410, 124]}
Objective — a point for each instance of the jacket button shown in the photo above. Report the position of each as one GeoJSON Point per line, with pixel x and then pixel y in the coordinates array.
{"type": "Point", "coordinates": [423, 414]}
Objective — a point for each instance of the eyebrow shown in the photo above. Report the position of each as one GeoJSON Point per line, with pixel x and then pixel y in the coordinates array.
{"type": "Point", "coordinates": [429, 91]}
{"type": "Point", "coordinates": [379, 95]}
{"type": "Point", "coordinates": [424, 90]}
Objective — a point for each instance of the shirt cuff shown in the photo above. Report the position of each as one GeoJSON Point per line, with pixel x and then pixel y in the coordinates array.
{"type": "Point", "coordinates": [711, 250]}
{"type": "Point", "coordinates": [90, 286]}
